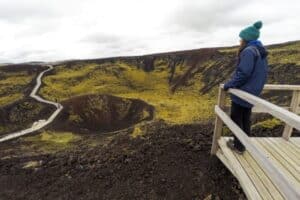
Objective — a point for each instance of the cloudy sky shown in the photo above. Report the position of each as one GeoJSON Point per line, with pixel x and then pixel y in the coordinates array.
{"type": "Point", "coordinates": [51, 30]}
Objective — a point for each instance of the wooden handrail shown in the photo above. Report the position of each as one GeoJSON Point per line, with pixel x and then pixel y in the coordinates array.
{"type": "Point", "coordinates": [278, 178]}
{"type": "Point", "coordinates": [288, 117]}
{"type": "Point", "coordinates": [278, 87]}
{"type": "Point", "coordinates": [282, 87]}
{"type": "Point", "coordinates": [294, 105]}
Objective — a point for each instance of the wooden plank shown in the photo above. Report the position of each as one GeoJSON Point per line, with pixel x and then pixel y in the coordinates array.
{"type": "Point", "coordinates": [257, 109]}
{"type": "Point", "coordinates": [241, 175]}
{"type": "Point", "coordinates": [286, 160]}
{"type": "Point", "coordinates": [294, 106]}
{"type": "Point", "coordinates": [264, 193]}
{"type": "Point", "coordinates": [295, 142]}
{"type": "Point", "coordinates": [277, 177]}
{"type": "Point", "coordinates": [264, 178]}
{"type": "Point", "coordinates": [291, 143]}
{"type": "Point", "coordinates": [225, 161]}
{"type": "Point", "coordinates": [288, 117]}
{"type": "Point", "coordinates": [286, 146]}
{"type": "Point", "coordinates": [283, 160]}
{"type": "Point", "coordinates": [281, 87]}
{"type": "Point", "coordinates": [260, 110]}
{"type": "Point", "coordinates": [218, 123]}
{"type": "Point", "coordinates": [291, 179]}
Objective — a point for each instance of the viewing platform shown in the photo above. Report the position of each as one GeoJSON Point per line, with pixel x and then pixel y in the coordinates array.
{"type": "Point", "coordinates": [270, 166]}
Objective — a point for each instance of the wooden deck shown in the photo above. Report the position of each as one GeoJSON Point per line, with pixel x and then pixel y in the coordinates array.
{"type": "Point", "coordinates": [284, 155]}
{"type": "Point", "coordinates": [270, 168]}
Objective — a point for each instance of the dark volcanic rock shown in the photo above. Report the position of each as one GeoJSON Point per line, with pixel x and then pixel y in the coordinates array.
{"type": "Point", "coordinates": [168, 162]}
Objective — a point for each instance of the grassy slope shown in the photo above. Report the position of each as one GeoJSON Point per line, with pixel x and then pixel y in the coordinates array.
{"type": "Point", "coordinates": [186, 105]}
{"type": "Point", "coordinates": [121, 79]}
{"type": "Point", "coordinates": [12, 86]}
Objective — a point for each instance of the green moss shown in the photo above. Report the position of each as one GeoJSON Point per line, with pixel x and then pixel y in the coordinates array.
{"type": "Point", "coordinates": [137, 132]}
{"type": "Point", "coordinates": [269, 123]}
{"type": "Point", "coordinates": [12, 85]}
{"type": "Point", "coordinates": [49, 141]}
{"type": "Point", "coordinates": [124, 80]}
{"type": "Point", "coordinates": [10, 98]}
{"type": "Point", "coordinates": [226, 131]}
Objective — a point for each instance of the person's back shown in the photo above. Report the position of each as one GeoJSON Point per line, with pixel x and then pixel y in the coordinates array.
{"type": "Point", "coordinates": [254, 66]}
{"type": "Point", "coordinates": [250, 76]}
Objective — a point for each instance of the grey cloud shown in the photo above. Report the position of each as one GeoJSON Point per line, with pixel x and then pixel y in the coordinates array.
{"type": "Point", "coordinates": [68, 28]}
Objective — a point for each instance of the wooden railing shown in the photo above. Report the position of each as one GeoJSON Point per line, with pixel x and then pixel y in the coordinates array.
{"type": "Point", "coordinates": [291, 120]}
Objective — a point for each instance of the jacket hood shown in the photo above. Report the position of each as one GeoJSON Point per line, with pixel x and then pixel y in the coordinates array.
{"type": "Point", "coordinates": [262, 50]}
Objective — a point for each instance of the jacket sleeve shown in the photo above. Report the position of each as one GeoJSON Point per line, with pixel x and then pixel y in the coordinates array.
{"type": "Point", "coordinates": [243, 70]}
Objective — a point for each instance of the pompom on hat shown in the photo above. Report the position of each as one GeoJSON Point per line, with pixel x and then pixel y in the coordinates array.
{"type": "Point", "coordinates": [251, 32]}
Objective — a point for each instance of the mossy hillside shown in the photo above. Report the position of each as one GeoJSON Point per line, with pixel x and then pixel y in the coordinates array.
{"type": "Point", "coordinates": [125, 80]}
{"type": "Point", "coordinates": [187, 104]}
{"type": "Point", "coordinates": [49, 141]}
{"type": "Point", "coordinates": [12, 86]}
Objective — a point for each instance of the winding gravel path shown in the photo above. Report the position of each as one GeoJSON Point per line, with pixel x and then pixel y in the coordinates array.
{"type": "Point", "coordinates": [43, 122]}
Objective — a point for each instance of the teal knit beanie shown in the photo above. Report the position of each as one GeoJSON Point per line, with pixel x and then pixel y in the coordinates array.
{"type": "Point", "coordinates": [251, 32]}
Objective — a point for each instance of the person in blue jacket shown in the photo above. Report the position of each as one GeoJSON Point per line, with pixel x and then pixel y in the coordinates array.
{"type": "Point", "coordinates": [250, 76]}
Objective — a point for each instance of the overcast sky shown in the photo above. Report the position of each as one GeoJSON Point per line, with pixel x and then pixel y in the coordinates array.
{"type": "Point", "coordinates": [32, 30]}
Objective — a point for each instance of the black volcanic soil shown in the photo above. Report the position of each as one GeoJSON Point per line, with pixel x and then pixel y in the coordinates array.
{"type": "Point", "coordinates": [168, 162]}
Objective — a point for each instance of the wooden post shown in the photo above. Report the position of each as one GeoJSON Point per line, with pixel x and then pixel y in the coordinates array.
{"type": "Point", "coordinates": [218, 122]}
{"type": "Point", "coordinates": [293, 108]}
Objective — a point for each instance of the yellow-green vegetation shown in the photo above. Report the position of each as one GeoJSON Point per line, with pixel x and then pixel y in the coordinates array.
{"type": "Point", "coordinates": [122, 79]}
{"type": "Point", "coordinates": [137, 131]}
{"type": "Point", "coordinates": [49, 141]}
{"type": "Point", "coordinates": [229, 50]}
{"type": "Point", "coordinates": [287, 53]}
{"type": "Point", "coordinates": [283, 56]}
{"type": "Point", "coordinates": [186, 105]}
{"type": "Point", "coordinates": [12, 85]}
{"type": "Point", "coordinates": [226, 131]}
{"type": "Point", "coordinates": [269, 123]}
{"type": "Point", "coordinates": [10, 98]}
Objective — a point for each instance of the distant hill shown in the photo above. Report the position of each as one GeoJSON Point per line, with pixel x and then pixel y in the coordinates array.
{"type": "Point", "coordinates": [181, 85]}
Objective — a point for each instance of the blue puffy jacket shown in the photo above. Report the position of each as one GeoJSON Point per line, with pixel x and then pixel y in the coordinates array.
{"type": "Point", "coordinates": [251, 72]}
